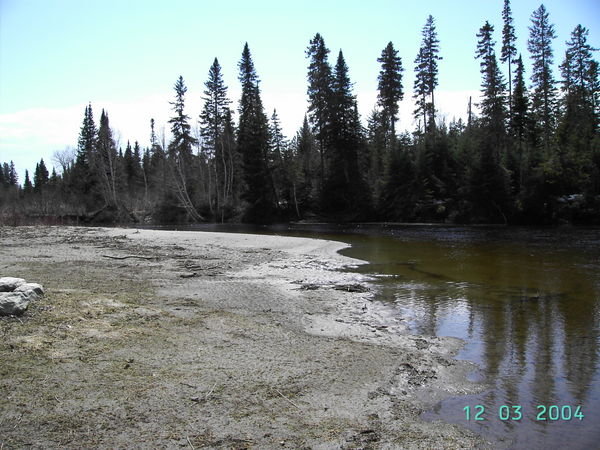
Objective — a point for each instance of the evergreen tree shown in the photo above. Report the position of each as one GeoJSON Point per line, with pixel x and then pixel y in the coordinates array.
{"type": "Point", "coordinates": [4, 175]}
{"type": "Point", "coordinates": [105, 163]}
{"type": "Point", "coordinates": [319, 95]}
{"type": "Point", "coordinates": [307, 153]}
{"type": "Point", "coordinates": [541, 33]}
{"type": "Point", "coordinates": [213, 121]}
{"type": "Point", "coordinates": [509, 51]}
{"type": "Point", "coordinates": [378, 152]}
{"type": "Point", "coordinates": [40, 176]}
{"type": "Point", "coordinates": [253, 144]}
{"type": "Point", "coordinates": [520, 127]}
{"type": "Point", "coordinates": [345, 191]}
{"type": "Point", "coordinates": [519, 121]}
{"type": "Point", "coordinates": [492, 86]}
{"type": "Point", "coordinates": [87, 141]}
{"type": "Point", "coordinates": [489, 183]}
{"type": "Point", "coordinates": [216, 104]}
{"type": "Point", "coordinates": [84, 177]}
{"type": "Point", "coordinates": [13, 178]}
{"type": "Point", "coordinates": [277, 150]}
{"type": "Point", "coordinates": [183, 141]}
{"type": "Point", "coordinates": [426, 79]}
{"type": "Point", "coordinates": [180, 155]}
{"type": "Point", "coordinates": [578, 124]}
{"type": "Point", "coordinates": [27, 187]}
{"type": "Point", "coordinates": [390, 86]}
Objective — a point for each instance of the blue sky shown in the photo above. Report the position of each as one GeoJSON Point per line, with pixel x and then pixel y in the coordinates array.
{"type": "Point", "coordinates": [124, 56]}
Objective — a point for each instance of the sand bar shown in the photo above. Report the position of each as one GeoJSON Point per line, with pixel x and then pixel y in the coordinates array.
{"type": "Point", "coordinates": [174, 339]}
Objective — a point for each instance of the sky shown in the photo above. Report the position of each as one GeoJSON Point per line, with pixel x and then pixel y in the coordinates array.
{"type": "Point", "coordinates": [56, 56]}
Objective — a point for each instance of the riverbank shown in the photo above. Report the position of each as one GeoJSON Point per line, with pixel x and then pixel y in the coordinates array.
{"type": "Point", "coordinates": [165, 339]}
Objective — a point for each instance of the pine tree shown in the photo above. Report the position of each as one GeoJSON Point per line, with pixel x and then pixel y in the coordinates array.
{"type": "Point", "coordinates": [253, 144]}
{"type": "Point", "coordinates": [319, 96]}
{"type": "Point", "coordinates": [390, 86]}
{"type": "Point", "coordinates": [541, 33]}
{"type": "Point", "coordinates": [426, 79]}
{"type": "Point", "coordinates": [509, 51]}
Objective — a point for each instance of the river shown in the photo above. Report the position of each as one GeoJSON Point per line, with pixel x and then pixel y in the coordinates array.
{"type": "Point", "coordinates": [526, 301]}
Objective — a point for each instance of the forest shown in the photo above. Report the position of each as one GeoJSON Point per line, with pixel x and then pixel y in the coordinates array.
{"type": "Point", "coordinates": [529, 155]}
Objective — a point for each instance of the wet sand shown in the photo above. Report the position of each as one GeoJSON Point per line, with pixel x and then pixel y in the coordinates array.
{"type": "Point", "coordinates": [169, 339]}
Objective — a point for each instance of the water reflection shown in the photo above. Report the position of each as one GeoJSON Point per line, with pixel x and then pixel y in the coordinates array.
{"type": "Point", "coordinates": [527, 305]}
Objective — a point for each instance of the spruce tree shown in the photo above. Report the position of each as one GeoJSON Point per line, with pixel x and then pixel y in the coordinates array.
{"type": "Point", "coordinates": [509, 51]}
{"type": "Point", "coordinates": [319, 96]}
{"type": "Point", "coordinates": [253, 144]}
{"type": "Point", "coordinates": [27, 187]}
{"type": "Point", "coordinates": [13, 178]}
{"type": "Point", "coordinates": [390, 86]}
{"type": "Point", "coordinates": [489, 183]}
{"type": "Point", "coordinates": [345, 191]}
{"type": "Point", "coordinates": [84, 179]}
{"type": "Point", "coordinates": [3, 175]}
{"type": "Point", "coordinates": [307, 152]}
{"type": "Point", "coordinates": [277, 149]}
{"type": "Point", "coordinates": [213, 122]}
{"type": "Point", "coordinates": [541, 33]}
{"type": "Point", "coordinates": [87, 140]}
{"type": "Point", "coordinates": [105, 163]}
{"type": "Point", "coordinates": [492, 86]}
{"type": "Point", "coordinates": [216, 104]}
{"type": "Point", "coordinates": [519, 121]}
{"type": "Point", "coordinates": [183, 141]}
{"type": "Point", "coordinates": [40, 176]}
{"type": "Point", "coordinates": [426, 79]}
{"type": "Point", "coordinates": [180, 155]}
{"type": "Point", "coordinates": [578, 124]}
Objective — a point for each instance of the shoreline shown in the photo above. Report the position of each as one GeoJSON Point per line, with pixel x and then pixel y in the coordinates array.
{"type": "Point", "coordinates": [204, 339]}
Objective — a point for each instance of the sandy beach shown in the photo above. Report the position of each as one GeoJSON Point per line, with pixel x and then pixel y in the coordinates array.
{"type": "Point", "coordinates": [174, 339]}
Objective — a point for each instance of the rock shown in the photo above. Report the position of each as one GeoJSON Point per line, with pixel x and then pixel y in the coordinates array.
{"type": "Point", "coordinates": [15, 295]}
{"type": "Point", "coordinates": [13, 303]}
{"type": "Point", "coordinates": [34, 290]}
{"type": "Point", "coordinates": [9, 284]}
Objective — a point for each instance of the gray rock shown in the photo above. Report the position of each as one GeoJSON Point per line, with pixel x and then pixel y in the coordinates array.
{"type": "Point", "coordinates": [33, 290]}
{"type": "Point", "coordinates": [13, 303]}
{"type": "Point", "coordinates": [9, 284]}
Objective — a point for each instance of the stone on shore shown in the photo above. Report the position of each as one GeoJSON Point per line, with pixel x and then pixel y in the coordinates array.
{"type": "Point", "coordinates": [16, 294]}
{"type": "Point", "coordinates": [13, 303]}
{"type": "Point", "coordinates": [9, 284]}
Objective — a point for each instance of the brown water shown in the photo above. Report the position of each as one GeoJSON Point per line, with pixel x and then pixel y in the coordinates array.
{"type": "Point", "coordinates": [525, 301]}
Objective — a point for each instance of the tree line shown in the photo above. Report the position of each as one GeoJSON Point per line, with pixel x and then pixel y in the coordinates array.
{"type": "Point", "coordinates": [531, 154]}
